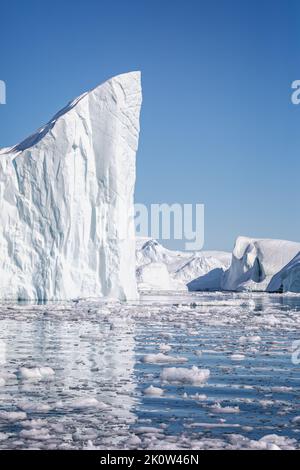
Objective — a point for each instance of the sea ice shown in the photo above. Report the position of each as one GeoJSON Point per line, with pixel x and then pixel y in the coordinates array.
{"type": "Point", "coordinates": [12, 416]}
{"type": "Point", "coordinates": [161, 358]}
{"type": "Point", "coordinates": [154, 391]}
{"type": "Point", "coordinates": [35, 373]}
{"type": "Point", "coordinates": [192, 376]}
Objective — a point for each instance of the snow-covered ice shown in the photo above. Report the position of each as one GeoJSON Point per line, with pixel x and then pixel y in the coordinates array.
{"type": "Point", "coordinates": [153, 391]}
{"type": "Point", "coordinates": [35, 373]}
{"type": "Point", "coordinates": [255, 265]}
{"type": "Point", "coordinates": [255, 262]}
{"type": "Point", "coordinates": [161, 358]}
{"type": "Point", "coordinates": [66, 200]}
{"type": "Point", "coordinates": [193, 376]}
{"type": "Point", "coordinates": [159, 268]}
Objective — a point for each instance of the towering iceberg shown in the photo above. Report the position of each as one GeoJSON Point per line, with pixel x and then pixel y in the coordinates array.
{"type": "Point", "coordinates": [66, 200]}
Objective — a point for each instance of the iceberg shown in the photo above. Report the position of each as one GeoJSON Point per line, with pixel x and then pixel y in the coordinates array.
{"type": "Point", "coordinates": [255, 262]}
{"type": "Point", "coordinates": [159, 268]}
{"type": "Point", "coordinates": [288, 279]}
{"type": "Point", "coordinates": [66, 200]}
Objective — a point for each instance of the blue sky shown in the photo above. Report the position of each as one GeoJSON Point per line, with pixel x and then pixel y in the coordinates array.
{"type": "Point", "coordinates": [218, 126]}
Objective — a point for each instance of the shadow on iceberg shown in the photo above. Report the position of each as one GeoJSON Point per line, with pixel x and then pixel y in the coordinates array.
{"type": "Point", "coordinates": [288, 278]}
{"type": "Point", "coordinates": [209, 282]}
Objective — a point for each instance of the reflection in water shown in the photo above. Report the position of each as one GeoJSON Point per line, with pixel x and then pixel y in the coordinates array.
{"type": "Point", "coordinates": [99, 393]}
{"type": "Point", "coordinates": [91, 359]}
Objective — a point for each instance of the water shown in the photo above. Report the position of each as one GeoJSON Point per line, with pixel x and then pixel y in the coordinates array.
{"type": "Point", "coordinates": [96, 397]}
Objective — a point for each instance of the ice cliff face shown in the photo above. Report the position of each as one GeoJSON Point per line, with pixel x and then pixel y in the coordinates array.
{"type": "Point", "coordinates": [288, 279]}
{"type": "Point", "coordinates": [66, 200]}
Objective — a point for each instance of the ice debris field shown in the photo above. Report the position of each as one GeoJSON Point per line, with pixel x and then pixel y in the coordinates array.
{"type": "Point", "coordinates": [186, 371]}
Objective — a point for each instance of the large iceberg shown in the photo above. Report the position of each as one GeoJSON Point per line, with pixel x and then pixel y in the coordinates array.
{"type": "Point", "coordinates": [66, 200]}
{"type": "Point", "coordinates": [255, 262]}
{"type": "Point", "coordinates": [159, 268]}
{"type": "Point", "coordinates": [288, 278]}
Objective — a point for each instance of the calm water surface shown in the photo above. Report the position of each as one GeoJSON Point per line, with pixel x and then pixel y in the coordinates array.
{"type": "Point", "coordinates": [97, 397]}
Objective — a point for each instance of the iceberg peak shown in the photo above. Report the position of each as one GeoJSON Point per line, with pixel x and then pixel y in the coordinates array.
{"type": "Point", "coordinates": [66, 200]}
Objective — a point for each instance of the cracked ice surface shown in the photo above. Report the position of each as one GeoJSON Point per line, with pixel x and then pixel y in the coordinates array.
{"type": "Point", "coordinates": [73, 374]}
{"type": "Point", "coordinates": [66, 200]}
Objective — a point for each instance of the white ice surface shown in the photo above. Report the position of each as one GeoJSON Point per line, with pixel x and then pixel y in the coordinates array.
{"type": "Point", "coordinates": [66, 200]}
{"type": "Point", "coordinates": [255, 262]}
{"type": "Point", "coordinates": [184, 375]}
{"type": "Point", "coordinates": [159, 268]}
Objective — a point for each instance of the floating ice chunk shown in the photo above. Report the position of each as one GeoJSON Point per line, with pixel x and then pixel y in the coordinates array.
{"type": "Point", "coordinates": [40, 434]}
{"type": "Point", "coordinates": [12, 416]}
{"type": "Point", "coordinates": [133, 441]}
{"type": "Point", "coordinates": [34, 423]}
{"type": "Point", "coordinates": [2, 382]}
{"type": "Point", "coordinates": [199, 397]}
{"type": "Point", "coordinates": [192, 376]}
{"type": "Point", "coordinates": [34, 407]}
{"type": "Point", "coordinates": [250, 339]}
{"type": "Point", "coordinates": [214, 425]}
{"type": "Point", "coordinates": [2, 352]}
{"type": "Point", "coordinates": [282, 389]}
{"type": "Point", "coordinates": [271, 446]}
{"type": "Point", "coordinates": [296, 420]}
{"type": "Point", "coordinates": [165, 347]}
{"type": "Point", "coordinates": [217, 408]}
{"type": "Point", "coordinates": [154, 391]}
{"type": "Point", "coordinates": [36, 373]}
{"type": "Point", "coordinates": [266, 403]}
{"type": "Point", "coordinates": [161, 358]}
{"type": "Point", "coordinates": [147, 430]}
{"type": "Point", "coordinates": [81, 403]}
{"type": "Point", "coordinates": [275, 442]}
{"type": "Point", "coordinates": [237, 357]}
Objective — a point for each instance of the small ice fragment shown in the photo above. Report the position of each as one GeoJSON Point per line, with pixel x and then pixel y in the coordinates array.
{"type": "Point", "coordinates": [154, 391]}
{"type": "Point", "coordinates": [86, 403]}
{"type": "Point", "coordinates": [182, 375]}
{"type": "Point", "coordinates": [12, 416]}
{"type": "Point", "coordinates": [217, 408]}
{"type": "Point", "coordinates": [35, 373]}
{"type": "Point", "coordinates": [161, 358]}
{"type": "Point", "coordinates": [237, 357]}
{"type": "Point", "coordinates": [165, 347]}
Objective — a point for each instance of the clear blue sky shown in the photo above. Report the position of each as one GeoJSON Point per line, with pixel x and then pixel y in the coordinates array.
{"type": "Point", "coordinates": [218, 126]}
